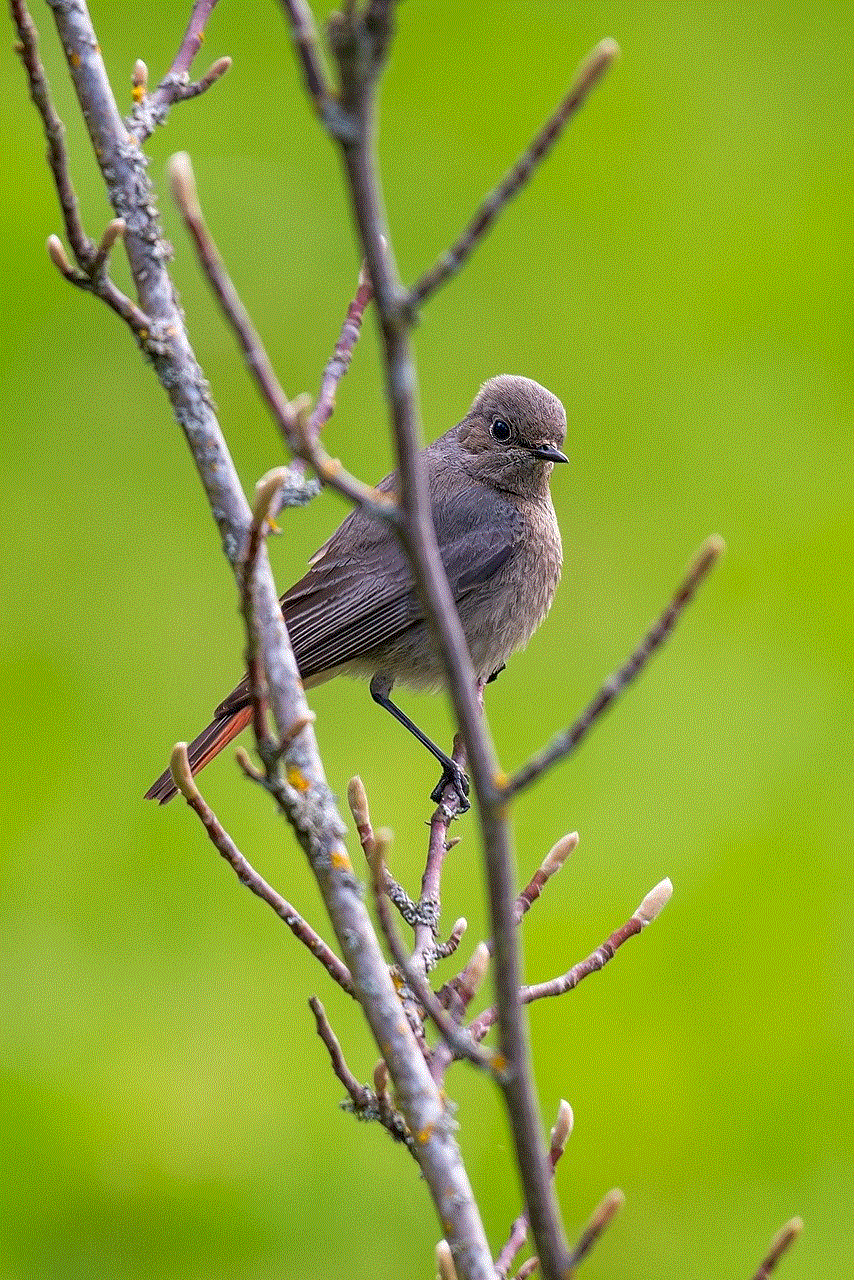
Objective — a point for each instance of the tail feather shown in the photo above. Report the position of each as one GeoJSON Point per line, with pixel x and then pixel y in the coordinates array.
{"type": "Point", "coordinates": [202, 750]}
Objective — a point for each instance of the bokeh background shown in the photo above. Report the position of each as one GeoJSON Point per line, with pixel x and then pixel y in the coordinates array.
{"type": "Point", "coordinates": [679, 273]}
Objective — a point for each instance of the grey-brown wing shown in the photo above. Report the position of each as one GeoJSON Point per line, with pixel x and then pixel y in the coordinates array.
{"type": "Point", "coordinates": [359, 592]}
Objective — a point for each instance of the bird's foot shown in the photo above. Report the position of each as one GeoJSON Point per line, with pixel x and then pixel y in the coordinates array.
{"type": "Point", "coordinates": [452, 775]}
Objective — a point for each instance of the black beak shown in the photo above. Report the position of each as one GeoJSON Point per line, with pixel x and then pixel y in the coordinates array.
{"type": "Point", "coordinates": [550, 454]}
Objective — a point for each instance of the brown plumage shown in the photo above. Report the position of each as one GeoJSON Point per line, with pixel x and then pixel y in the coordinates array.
{"type": "Point", "coordinates": [357, 611]}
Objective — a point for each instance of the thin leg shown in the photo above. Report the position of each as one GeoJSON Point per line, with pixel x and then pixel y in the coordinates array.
{"type": "Point", "coordinates": [451, 771]}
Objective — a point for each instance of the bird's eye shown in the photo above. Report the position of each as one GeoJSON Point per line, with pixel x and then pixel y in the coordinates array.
{"type": "Point", "coordinates": [500, 430]}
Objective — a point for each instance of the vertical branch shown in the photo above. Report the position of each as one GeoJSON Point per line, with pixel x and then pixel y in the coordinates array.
{"type": "Point", "coordinates": [306, 798]}
{"type": "Point", "coordinates": [359, 57]}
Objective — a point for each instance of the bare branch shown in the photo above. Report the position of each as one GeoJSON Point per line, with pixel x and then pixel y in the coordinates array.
{"type": "Point", "coordinates": [429, 902]}
{"type": "Point", "coordinates": [602, 1218]}
{"type": "Point", "coordinates": [653, 903]}
{"type": "Point", "coordinates": [565, 743]}
{"type": "Point", "coordinates": [301, 23]}
{"type": "Point", "coordinates": [57, 153]}
{"type": "Point", "coordinates": [357, 798]}
{"type": "Point", "coordinates": [519, 1230]}
{"type": "Point", "coordinates": [455, 1036]}
{"type": "Point", "coordinates": [307, 802]}
{"type": "Point", "coordinates": [149, 111]}
{"type": "Point", "coordinates": [339, 361]}
{"type": "Point", "coordinates": [267, 491]}
{"type": "Point", "coordinates": [781, 1244]}
{"type": "Point", "coordinates": [115, 230]}
{"type": "Point", "coordinates": [248, 876]}
{"type": "Point", "coordinates": [361, 1097]}
{"type": "Point", "coordinates": [589, 75]}
{"type": "Point", "coordinates": [187, 199]}
{"type": "Point", "coordinates": [550, 865]}
{"type": "Point", "coordinates": [458, 993]}
{"type": "Point", "coordinates": [359, 51]}
{"type": "Point", "coordinates": [90, 275]}
{"type": "Point", "coordinates": [288, 415]}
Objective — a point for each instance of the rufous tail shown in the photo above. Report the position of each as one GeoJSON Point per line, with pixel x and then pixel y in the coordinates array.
{"type": "Point", "coordinates": [202, 750]}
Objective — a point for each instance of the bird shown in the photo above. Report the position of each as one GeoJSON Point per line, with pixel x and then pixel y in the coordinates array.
{"type": "Point", "coordinates": [357, 611]}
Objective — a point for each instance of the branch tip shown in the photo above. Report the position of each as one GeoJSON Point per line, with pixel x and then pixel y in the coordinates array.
{"type": "Point", "coordinates": [217, 70]}
{"type": "Point", "coordinates": [139, 79]}
{"type": "Point", "coordinates": [242, 757]}
{"type": "Point", "coordinates": [58, 256]}
{"type": "Point", "coordinates": [781, 1244]}
{"type": "Point", "coordinates": [563, 1127]}
{"type": "Point", "coordinates": [655, 901]}
{"type": "Point", "coordinates": [182, 775]}
{"type": "Point", "coordinates": [445, 1262]}
{"type": "Point", "coordinates": [601, 1218]}
{"type": "Point", "coordinates": [557, 856]}
{"type": "Point", "coordinates": [381, 1078]}
{"type": "Point", "coordinates": [266, 491]}
{"type": "Point", "coordinates": [183, 183]}
{"type": "Point", "coordinates": [475, 970]}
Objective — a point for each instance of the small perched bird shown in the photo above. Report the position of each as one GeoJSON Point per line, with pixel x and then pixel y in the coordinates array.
{"type": "Point", "coordinates": [357, 611]}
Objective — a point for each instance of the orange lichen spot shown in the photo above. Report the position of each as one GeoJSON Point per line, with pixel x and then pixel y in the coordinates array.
{"type": "Point", "coordinates": [499, 1062]}
{"type": "Point", "coordinates": [341, 861]}
{"type": "Point", "coordinates": [138, 92]}
{"type": "Point", "coordinates": [201, 37]}
{"type": "Point", "coordinates": [298, 780]}
{"type": "Point", "coordinates": [75, 59]}
{"type": "Point", "coordinates": [499, 779]}
{"type": "Point", "coordinates": [425, 1134]}
{"type": "Point", "coordinates": [331, 468]}
{"type": "Point", "coordinates": [143, 333]}
{"type": "Point", "coordinates": [275, 527]}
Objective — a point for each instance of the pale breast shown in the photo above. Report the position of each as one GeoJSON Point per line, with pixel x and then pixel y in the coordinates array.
{"type": "Point", "coordinates": [505, 612]}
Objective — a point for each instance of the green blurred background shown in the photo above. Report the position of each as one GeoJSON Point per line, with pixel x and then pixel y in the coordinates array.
{"type": "Point", "coordinates": [679, 273]}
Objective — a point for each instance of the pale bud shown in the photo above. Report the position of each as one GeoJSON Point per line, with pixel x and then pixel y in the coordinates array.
{"type": "Point", "coordinates": [655, 902]}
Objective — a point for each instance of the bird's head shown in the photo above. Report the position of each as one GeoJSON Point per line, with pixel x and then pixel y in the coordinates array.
{"type": "Point", "coordinates": [512, 435]}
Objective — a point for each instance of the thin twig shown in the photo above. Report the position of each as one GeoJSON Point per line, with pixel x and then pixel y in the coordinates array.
{"type": "Point", "coordinates": [363, 1102]}
{"type": "Point", "coordinates": [57, 152]}
{"type": "Point", "coordinates": [288, 415]}
{"type": "Point", "coordinates": [361, 1097]}
{"type": "Point", "coordinates": [429, 901]}
{"type": "Point", "coordinates": [589, 75]}
{"type": "Point", "coordinates": [561, 1130]}
{"type": "Point", "coordinates": [151, 110]}
{"type": "Point", "coordinates": [457, 994]}
{"type": "Point", "coordinates": [266, 492]}
{"type": "Point", "coordinates": [601, 1219]}
{"type": "Point", "coordinates": [357, 799]}
{"type": "Point", "coordinates": [457, 1038]}
{"type": "Point", "coordinates": [248, 876]}
{"type": "Point", "coordinates": [359, 60]}
{"type": "Point", "coordinates": [653, 903]}
{"type": "Point", "coordinates": [339, 361]}
{"type": "Point", "coordinates": [186, 197]}
{"type": "Point", "coordinates": [114, 231]}
{"type": "Point", "coordinates": [781, 1244]}
{"type": "Point", "coordinates": [565, 743]}
{"type": "Point", "coordinates": [90, 275]}
{"type": "Point", "coordinates": [301, 24]}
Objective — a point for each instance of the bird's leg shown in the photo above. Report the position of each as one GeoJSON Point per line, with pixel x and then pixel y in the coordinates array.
{"type": "Point", "coordinates": [451, 771]}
